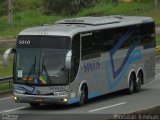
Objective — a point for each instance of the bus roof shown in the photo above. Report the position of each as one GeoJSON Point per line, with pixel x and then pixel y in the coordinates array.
{"type": "Point", "coordinates": [70, 27]}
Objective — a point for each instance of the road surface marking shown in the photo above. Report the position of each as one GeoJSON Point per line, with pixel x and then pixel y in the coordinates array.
{"type": "Point", "coordinates": [14, 109]}
{"type": "Point", "coordinates": [6, 98]}
{"type": "Point", "coordinates": [115, 105]}
{"type": "Point", "coordinates": [157, 66]}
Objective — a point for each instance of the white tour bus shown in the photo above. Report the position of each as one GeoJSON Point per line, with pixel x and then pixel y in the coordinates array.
{"type": "Point", "coordinates": [82, 58]}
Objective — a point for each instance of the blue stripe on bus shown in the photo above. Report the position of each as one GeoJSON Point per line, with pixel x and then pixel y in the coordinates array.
{"type": "Point", "coordinates": [136, 55]}
{"type": "Point", "coordinates": [73, 100]}
{"type": "Point", "coordinates": [116, 48]}
{"type": "Point", "coordinates": [122, 40]}
{"type": "Point", "coordinates": [25, 89]}
{"type": "Point", "coordinates": [93, 95]}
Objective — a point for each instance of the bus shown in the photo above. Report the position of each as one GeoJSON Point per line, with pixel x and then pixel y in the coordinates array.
{"type": "Point", "coordinates": [77, 59]}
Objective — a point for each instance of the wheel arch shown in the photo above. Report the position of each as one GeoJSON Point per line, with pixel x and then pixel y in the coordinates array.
{"type": "Point", "coordinates": [83, 83]}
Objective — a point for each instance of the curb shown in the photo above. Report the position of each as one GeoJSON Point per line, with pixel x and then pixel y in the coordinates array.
{"type": "Point", "coordinates": [8, 37]}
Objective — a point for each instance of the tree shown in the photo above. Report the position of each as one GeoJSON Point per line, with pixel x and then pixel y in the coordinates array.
{"type": "Point", "coordinates": [3, 7]}
{"type": "Point", "coordinates": [115, 2]}
{"type": "Point", "coordinates": [66, 6]}
{"type": "Point", "coordinates": [156, 3]}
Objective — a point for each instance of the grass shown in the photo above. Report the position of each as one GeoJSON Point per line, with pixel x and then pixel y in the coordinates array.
{"type": "Point", "coordinates": [135, 8]}
{"type": "Point", "coordinates": [158, 44]}
{"type": "Point", "coordinates": [5, 71]}
{"type": "Point", "coordinates": [110, 9]}
{"type": "Point", "coordinates": [4, 87]}
{"type": "Point", "coordinates": [158, 40]}
{"type": "Point", "coordinates": [22, 20]}
{"type": "Point", "coordinates": [30, 18]}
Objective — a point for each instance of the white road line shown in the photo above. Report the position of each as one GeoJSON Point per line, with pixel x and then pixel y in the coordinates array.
{"type": "Point", "coordinates": [115, 105]}
{"type": "Point", "coordinates": [14, 109]}
{"type": "Point", "coordinates": [6, 98]}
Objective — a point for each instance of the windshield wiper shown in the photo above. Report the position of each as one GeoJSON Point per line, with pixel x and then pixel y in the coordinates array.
{"type": "Point", "coordinates": [33, 68]}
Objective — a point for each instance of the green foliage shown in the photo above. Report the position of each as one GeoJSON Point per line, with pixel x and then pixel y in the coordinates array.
{"type": "Point", "coordinates": [4, 87]}
{"type": "Point", "coordinates": [3, 7]}
{"type": "Point", "coordinates": [158, 40]}
{"type": "Point", "coordinates": [66, 7]}
{"type": "Point", "coordinates": [21, 5]}
{"type": "Point", "coordinates": [29, 13]}
{"type": "Point", "coordinates": [107, 8]}
{"type": "Point", "coordinates": [22, 20]}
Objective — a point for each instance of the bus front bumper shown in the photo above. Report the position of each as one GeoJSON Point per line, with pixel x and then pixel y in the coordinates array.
{"type": "Point", "coordinates": [44, 99]}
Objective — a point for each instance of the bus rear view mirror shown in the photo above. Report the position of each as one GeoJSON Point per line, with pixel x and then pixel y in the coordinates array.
{"type": "Point", "coordinates": [6, 55]}
{"type": "Point", "coordinates": [68, 60]}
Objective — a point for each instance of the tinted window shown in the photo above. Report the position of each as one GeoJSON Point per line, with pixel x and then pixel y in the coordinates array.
{"type": "Point", "coordinates": [56, 42]}
{"type": "Point", "coordinates": [87, 45]}
{"type": "Point", "coordinates": [103, 40]}
{"type": "Point", "coordinates": [147, 32]}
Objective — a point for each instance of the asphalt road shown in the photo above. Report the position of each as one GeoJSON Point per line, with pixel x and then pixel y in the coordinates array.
{"type": "Point", "coordinates": [115, 103]}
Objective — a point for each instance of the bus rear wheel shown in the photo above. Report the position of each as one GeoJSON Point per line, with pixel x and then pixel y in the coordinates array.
{"type": "Point", "coordinates": [83, 96]}
{"type": "Point", "coordinates": [34, 104]}
{"type": "Point", "coordinates": [138, 82]}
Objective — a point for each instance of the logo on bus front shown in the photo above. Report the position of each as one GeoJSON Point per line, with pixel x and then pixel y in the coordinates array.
{"type": "Point", "coordinates": [24, 42]}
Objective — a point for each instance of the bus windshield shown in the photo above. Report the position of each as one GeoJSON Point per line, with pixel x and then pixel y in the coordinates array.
{"type": "Point", "coordinates": [41, 60]}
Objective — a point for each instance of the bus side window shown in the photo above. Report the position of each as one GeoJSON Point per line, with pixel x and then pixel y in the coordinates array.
{"type": "Point", "coordinates": [103, 40]}
{"type": "Point", "coordinates": [87, 46]}
{"type": "Point", "coordinates": [146, 32]}
{"type": "Point", "coordinates": [75, 57]}
{"type": "Point", "coordinates": [99, 41]}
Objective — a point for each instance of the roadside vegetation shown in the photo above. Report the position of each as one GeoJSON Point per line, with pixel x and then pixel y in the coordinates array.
{"type": "Point", "coordinates": [29, 13]}
{"type": "Point", "coordinates": [5, 71]}
{"type": "Point", "coordinates": [4, 87]}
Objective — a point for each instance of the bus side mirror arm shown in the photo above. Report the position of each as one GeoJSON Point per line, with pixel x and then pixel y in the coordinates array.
{"type": "Point", "coordinates": [68, 60]}
{"type": "Point", "coordinates": [6, 54]}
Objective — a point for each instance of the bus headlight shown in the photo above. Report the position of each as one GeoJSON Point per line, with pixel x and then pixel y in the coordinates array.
{"type": "Point", "coordinates": [60, 93]}
{"type": "Point", "coordinates": [65, 100]}
{"type": "Point", "coordinates": [15, 98]}
{"type": "Point", "coordinates": [19, 91]}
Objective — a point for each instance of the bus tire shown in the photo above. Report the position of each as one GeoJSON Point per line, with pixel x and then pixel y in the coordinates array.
{"type": "Point", "coordinates": [138, 82]}
{"type": "Point", "coordinates": [83, 96]}
{"type": "Point", "coordinates": [130, 89]}
{"type": "Point", "coordinates": [34, 104]}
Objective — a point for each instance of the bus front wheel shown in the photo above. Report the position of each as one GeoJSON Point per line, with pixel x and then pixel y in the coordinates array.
{"type": "Point", "coordinates": [83, 96]}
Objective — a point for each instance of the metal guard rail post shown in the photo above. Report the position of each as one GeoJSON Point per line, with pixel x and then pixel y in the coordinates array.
{"type": "Point", "coordinates": [7, 80]}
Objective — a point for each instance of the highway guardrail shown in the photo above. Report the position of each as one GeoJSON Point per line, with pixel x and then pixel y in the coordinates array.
{"type": "Point", "coordinates": [7, 80]}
